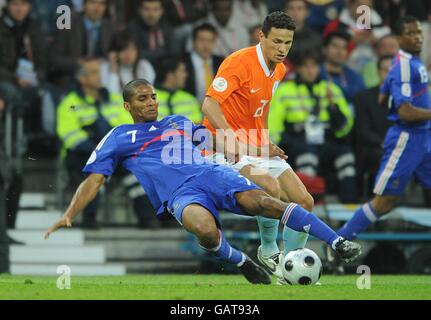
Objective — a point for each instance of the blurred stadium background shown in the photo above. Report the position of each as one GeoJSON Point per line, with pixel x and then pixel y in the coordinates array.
{"type": "Point", "coordinates": [177, 45]}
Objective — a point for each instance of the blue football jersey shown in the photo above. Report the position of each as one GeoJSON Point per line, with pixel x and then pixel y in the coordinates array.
{"type": "Point", "coordinates": [162, 155]}
{"type": "Point", "coordinates": [407, 82]}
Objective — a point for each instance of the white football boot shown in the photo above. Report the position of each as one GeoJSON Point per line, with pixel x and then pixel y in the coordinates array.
{"type": "Point", "coordinates": [272, 264]}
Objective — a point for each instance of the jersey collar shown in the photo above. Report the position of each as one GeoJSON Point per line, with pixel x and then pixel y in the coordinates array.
{"type": "Point", "coordinates": [262, 61]}
{"type": "Point", "coordinates": [405, 54]}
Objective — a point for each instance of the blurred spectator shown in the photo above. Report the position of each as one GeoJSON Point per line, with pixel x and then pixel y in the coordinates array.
{"type": "Point", "coordinates": [323, 12]}
{"type": "Point", "coordinates": [254, 35]}
{"type": "Point", "coordinates": [386, 46]}
{"type": "Point", "coordinates": [274, 5]}
{"type": "Point", "coordinates": [362, 37]}
{"type": "Point", "coordinates": [154, 36]}
{"type": "Point", "coordinates": [10, 182]}
{"type": "Point", "coordinates": [171, 80]}
{"type": "Point", "coordinates": [390, 11]}
{"type": "Point", "coordinates": [334, 68]}
{"type": "Point", "coordinates": [4, 245]}
{"type": "Point", "coordinates": [426, 47]}
{"type": "Point", "coordinates": [84, 117]}
{"type": "Point", "coordinates": [182, 14]}
{"type": "Point", "coordinates": [90, 37]}
{"type": "Point", "coordinates": [370, 127]}
{"type": "Point", "coordinates": [249, 12]}
{"type": "Point", "coordinates": [46, 12]}
{"type": "Point", "coordinates": [124, 64]}
{"type": "Point", "coordinates": [202, 64]}
{"type": "Point", "coordinates": [309, 119]}
{"type": "Point", "coordinates": [232, 34]}
{"type": "Point", "coordinates": [22, 60]}
{"type": "Point", "coordinates": [306, 39]}
{"type": "Point", "coordinates": [78, 5]}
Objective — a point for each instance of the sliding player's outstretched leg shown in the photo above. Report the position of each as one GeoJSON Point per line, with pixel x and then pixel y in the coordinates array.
{"type": "Point", "coordinates": [199, 221]}
{"type": "Point", "coordinates": [299, 219]}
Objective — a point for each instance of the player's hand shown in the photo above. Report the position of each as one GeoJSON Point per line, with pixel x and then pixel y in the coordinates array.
{"type": "Point", "coordinates": [64, 222]}
{"type": "Point", "coordinates": [276, 151]}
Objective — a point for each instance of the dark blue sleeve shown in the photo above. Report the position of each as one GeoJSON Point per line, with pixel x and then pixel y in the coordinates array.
{"type": "Point", "coordinates": [104, 158]}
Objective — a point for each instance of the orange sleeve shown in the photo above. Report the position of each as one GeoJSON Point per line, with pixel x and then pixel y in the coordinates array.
{"type": "Point", "coordinates": [231, 75]}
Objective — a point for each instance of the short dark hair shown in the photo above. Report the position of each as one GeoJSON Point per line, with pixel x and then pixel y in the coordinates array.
{"type": "Point", "coordinates": [141, 2]}
{"type": "Point", "coordinates": [122, 40]}
{"type": "Point", "coordinates": [383, 58]}
{"type": "Point", "coordinates": [167, 65]}
{"type": "Point", "coordinates": [130, 88]}
{"type": "Point", "coordinates": [303, 56]}
{"type": "Point", "coordinates": [401, 23]}
{"type": "Point", "coordinates": [28, 1]}
{"type": "Point", "coordinates": [338, 34]}
{"type": "Point", "coordinates": [204, 27]}
{"type": "Point", "coordinates": [279, 20]}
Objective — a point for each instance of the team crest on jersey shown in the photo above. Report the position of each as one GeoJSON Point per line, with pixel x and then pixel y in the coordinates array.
{"type": "Point", "coordinates": [174, 125]}
{"type": "Point", "coordinates": [220, 84]}
{"type": "Point", "coordinates": [406, 90]}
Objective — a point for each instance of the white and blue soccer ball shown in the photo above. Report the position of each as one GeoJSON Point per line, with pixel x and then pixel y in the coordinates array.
{"type": "Point", "coordinates": [301, 266]}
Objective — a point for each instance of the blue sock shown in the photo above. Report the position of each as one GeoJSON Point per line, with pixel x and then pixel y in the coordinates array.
{"type": "Point", "coordinates": [268, 229]}
{"type": "Point", "coordinates": [299, 219]}
{"type": "Point", "coordinates": [362, 218]}
{"type": "Point", "coordinates": [226, 253]}
{"type": "Point", "coordinates": [293, 239]}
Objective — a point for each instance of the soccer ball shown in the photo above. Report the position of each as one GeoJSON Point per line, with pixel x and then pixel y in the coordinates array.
{"type": "Point", "coordinates": [301, 266]}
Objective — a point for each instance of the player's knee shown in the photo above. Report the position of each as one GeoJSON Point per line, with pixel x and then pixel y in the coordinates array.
{"type": "Point", "coordinates": [207, 234]}
{"type": "Point", "coordinates": [383, 204]}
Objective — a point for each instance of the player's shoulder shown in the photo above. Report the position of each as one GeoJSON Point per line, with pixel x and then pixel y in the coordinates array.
{"type": "Point", "coordinates": [241, 57]}
{"type": "Point", "coordinates": [402, 66]}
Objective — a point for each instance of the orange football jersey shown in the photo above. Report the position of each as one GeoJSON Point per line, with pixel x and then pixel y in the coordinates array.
{"type": "Point", "coordinates": [244, 87]}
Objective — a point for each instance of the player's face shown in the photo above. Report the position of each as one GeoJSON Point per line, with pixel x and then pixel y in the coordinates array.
{"type": "Point", "coordinates": [277, 44]}
{"type": "Point", "coordinates": [412, 39]}
{"type": "Point", "coordinates": [19, 10]}
{"type": "Point", "coordinates": [95, 9]}
{"type": "Point", "coordinates": [143, 106]}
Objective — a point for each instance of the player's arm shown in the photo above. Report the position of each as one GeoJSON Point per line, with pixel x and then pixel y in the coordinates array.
{"type": "Point", "coordinates": [410, 113]}
{"type": "Point", "coordinates": [212, 110]}
{"type": "Point", "coordinates": [85, 193]}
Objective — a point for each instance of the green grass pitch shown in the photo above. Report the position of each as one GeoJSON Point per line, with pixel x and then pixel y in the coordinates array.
{"type": "Point", "coordinates": [210, 287]}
